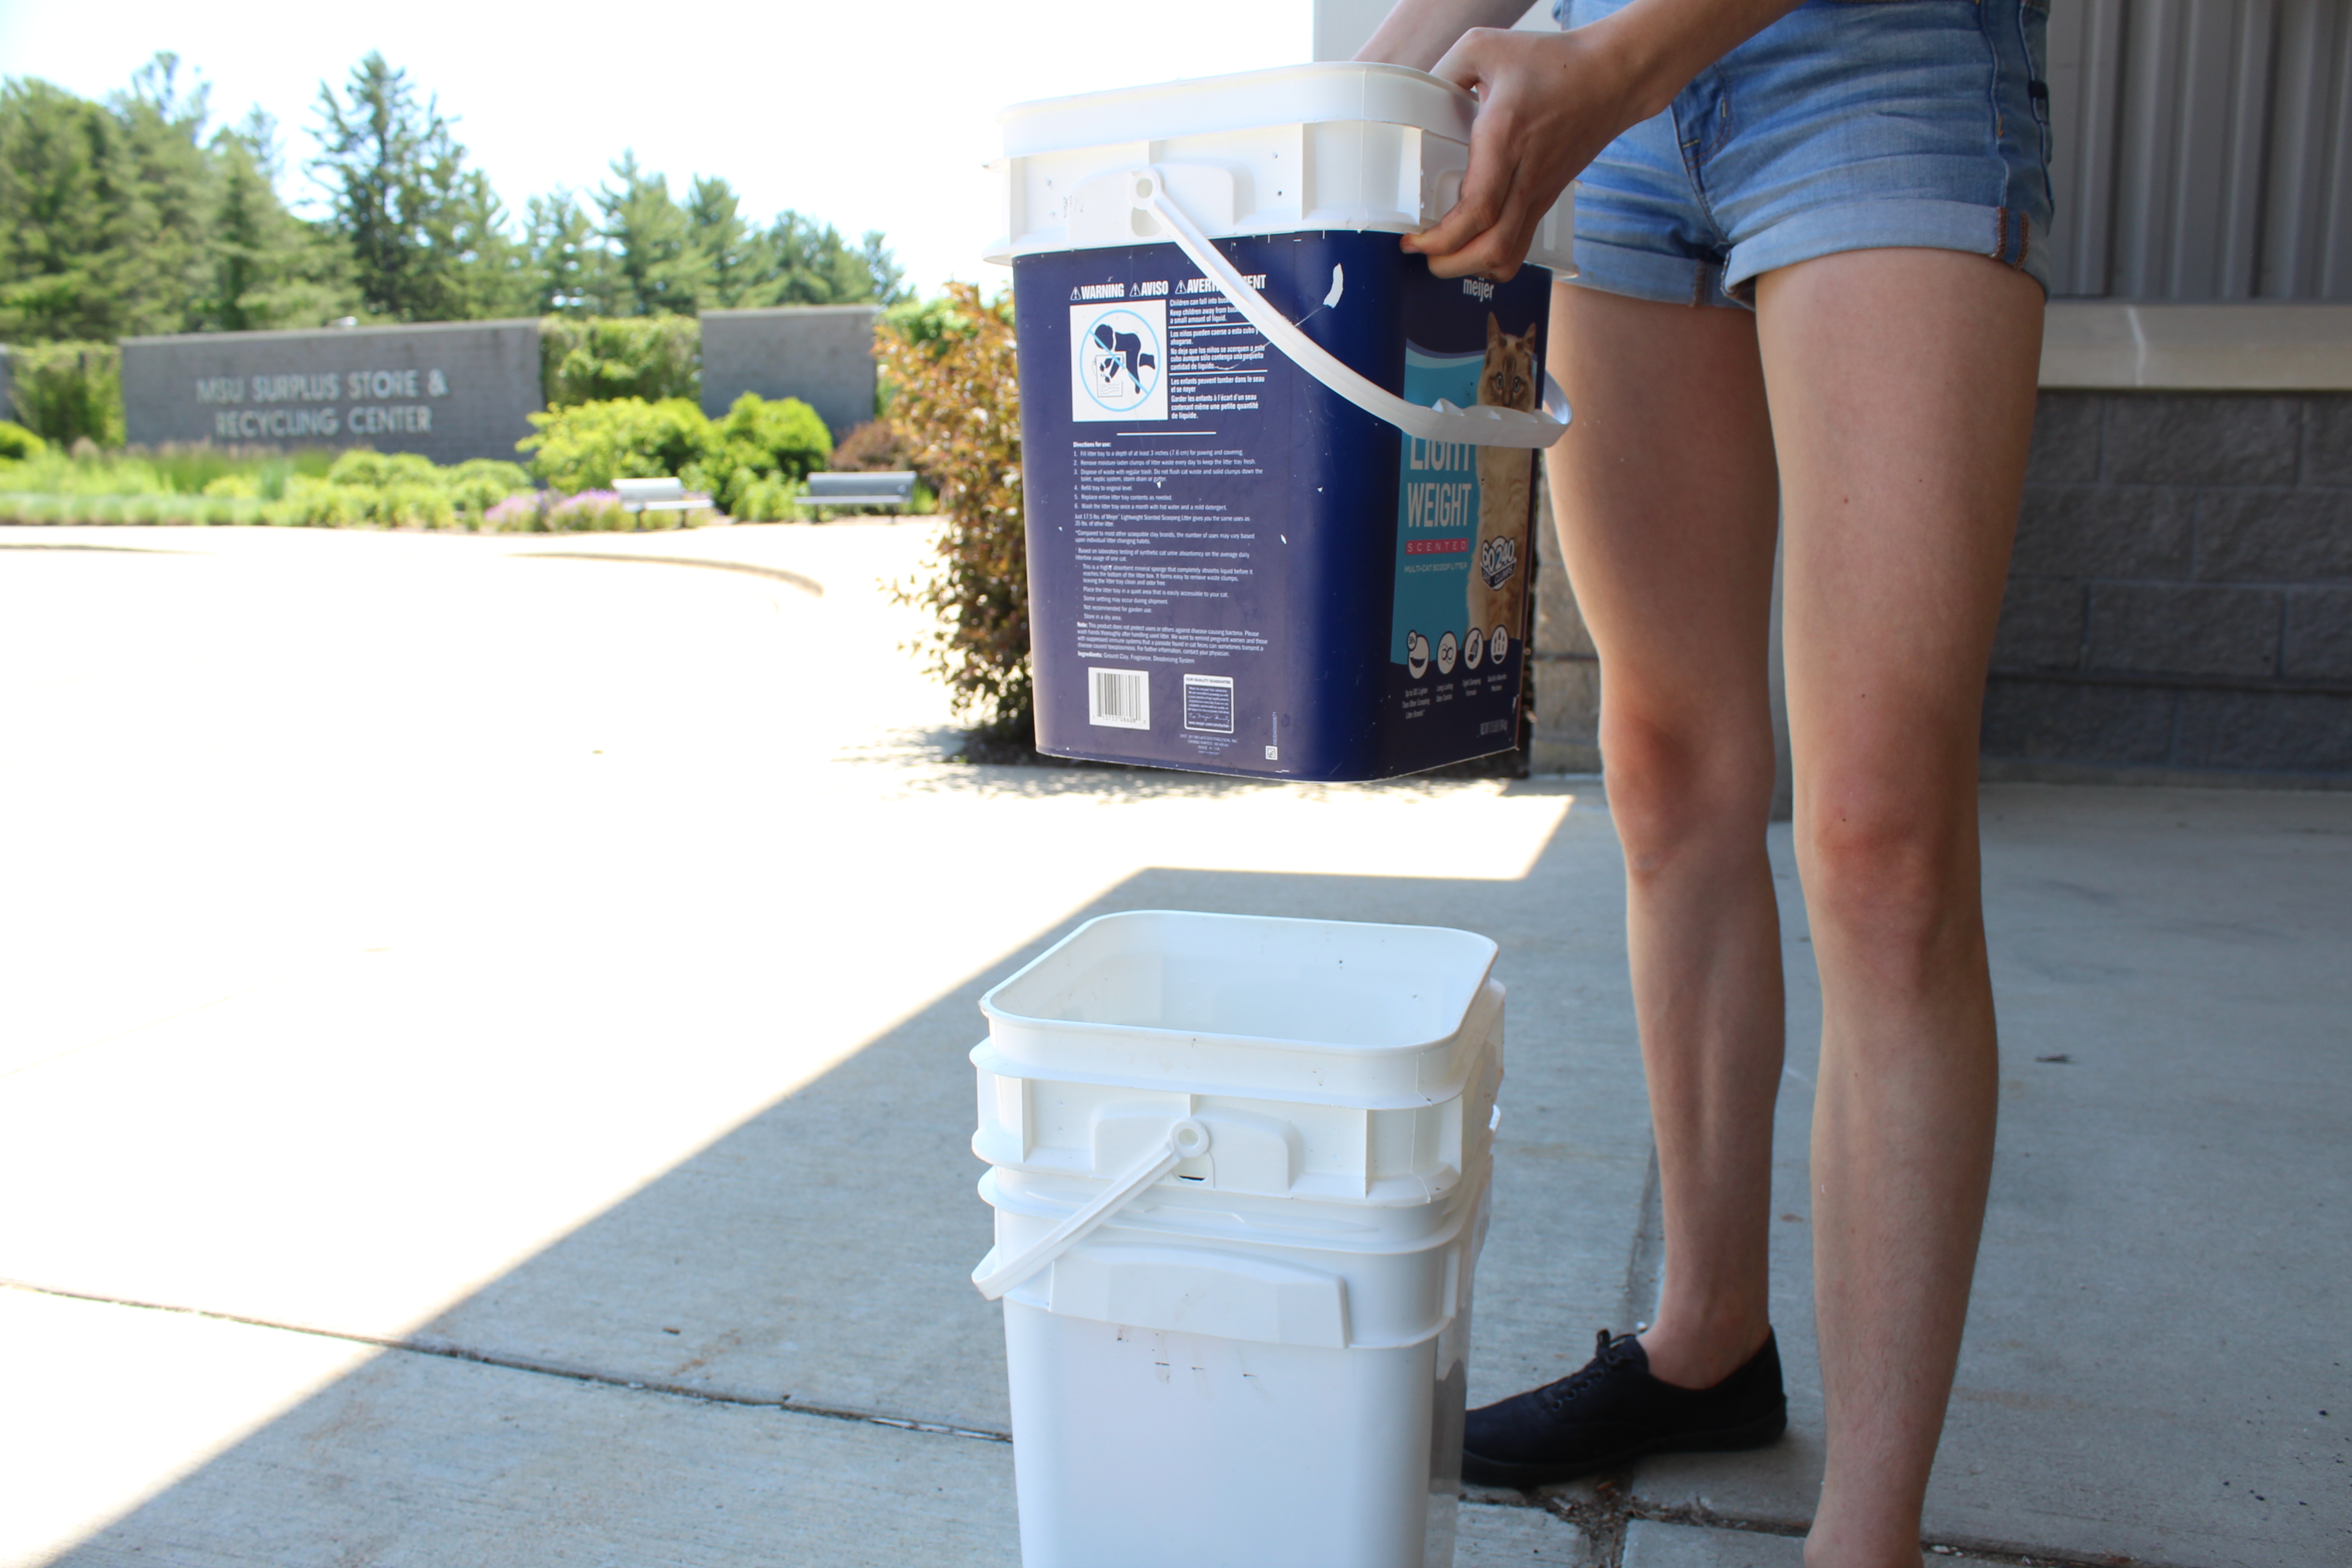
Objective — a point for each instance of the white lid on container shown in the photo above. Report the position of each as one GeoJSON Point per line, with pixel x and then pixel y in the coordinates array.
{"type": "Point", "coordinates": [1338, 145]}
{"type": "Point", "coordinates": [1318, 94]}
{"type": "Point", "coordinates": [1325, 1010]}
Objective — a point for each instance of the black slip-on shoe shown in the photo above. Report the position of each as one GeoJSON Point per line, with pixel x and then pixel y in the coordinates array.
{"type": "Point", "coordinates": [1611, 1411]}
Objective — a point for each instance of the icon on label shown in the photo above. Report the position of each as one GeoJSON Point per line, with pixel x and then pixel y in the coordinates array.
{"type": "Point", "coordinates": [1498, 643]}
{"type": "Point", "coordinates": [1473, 649]}
{"type": "Point", "coordinates": [1120, 360]}
{"type": "Point", "coordinates": [1416, 653]}
{"type": "Point", "coordinates": [1445, 651]}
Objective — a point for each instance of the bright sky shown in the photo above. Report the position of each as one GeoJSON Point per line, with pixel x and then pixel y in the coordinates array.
{"type": "Point", "coordinates": [862, 115]}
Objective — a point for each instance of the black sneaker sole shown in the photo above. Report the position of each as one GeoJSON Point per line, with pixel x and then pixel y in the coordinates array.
{"type": "Point", "coordinates": [1762, 1432]}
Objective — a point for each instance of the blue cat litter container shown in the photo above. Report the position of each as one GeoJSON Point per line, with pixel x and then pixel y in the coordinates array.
{"type": "Point", "coordinates": [1280, 480]}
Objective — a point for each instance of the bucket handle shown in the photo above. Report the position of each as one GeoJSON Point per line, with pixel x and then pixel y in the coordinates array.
{"type": "Point", "coordinates": [1481, 425]}
{"type": "Point", "coordinates": [1186, 1139]}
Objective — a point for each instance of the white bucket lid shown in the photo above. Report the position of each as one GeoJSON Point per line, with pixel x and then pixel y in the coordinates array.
{"type": "Point", "coordinates": [1337, 145]}
{"type": "Point", "coordinates": [1318, 94]}
{"type": "Point", "coordinates": [1323, 1011]}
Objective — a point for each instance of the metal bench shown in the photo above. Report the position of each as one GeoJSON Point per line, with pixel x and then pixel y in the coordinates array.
{"type": "Point", "coordinates": [658, 495]}
{"type": "Point", "coordinates": [859, 489]}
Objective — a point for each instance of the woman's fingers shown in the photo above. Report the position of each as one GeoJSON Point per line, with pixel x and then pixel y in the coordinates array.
{"type": "Point", "coordinates": [1487, 179]}
{"type": "Point", "coordinates": [1498, 219]}
{"type": "Point", "coordinates": [1545, 107]}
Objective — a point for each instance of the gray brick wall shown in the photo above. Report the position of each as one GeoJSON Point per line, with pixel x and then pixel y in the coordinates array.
{"type": "Point", "coordinates": [2181, 598]}
{"type": "Point", "coordinates": [2180, 603]}
{"type": "Point", "coordinates": [1566, 672]}
{"type": "Point", "coordinates": [822, 355]}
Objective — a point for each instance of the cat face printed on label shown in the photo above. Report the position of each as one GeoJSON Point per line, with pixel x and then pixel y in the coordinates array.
{"type": "Point", "coordinates": [1496, 595]}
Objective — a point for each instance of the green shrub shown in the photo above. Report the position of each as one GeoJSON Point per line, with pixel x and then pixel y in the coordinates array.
{"type": "Point", "coordinates": [69, 392]}
{"type": "Point", "coordinates": [760, 440]}
{"type": "Point", "coordinates": [476, 485]}
{"type": "Point", "coordinates": [956, 394]}
{"type": "Point", "coordinates": [246, 485]}
{"type": "Point", "coordinates": [15, 506]}
{"type": "Point", "coordinates": [315, 503]}
{"type": "Point", "coordinates": [599, 358]}
{"type": "Point", "coordinates": [373, 470]}
{"type": "Point", "coordinates": [411, 505]}
{"type": "Point", "coordinates": [587, 446]}
{"type": "Point", "coordinates": [16, 443]}
{"type": "Point", "coordinates": [769, 498]}
{"type": "Point", "coordinates": [784, 437]}
{"type": "Point", "coordinates": [188, 467]}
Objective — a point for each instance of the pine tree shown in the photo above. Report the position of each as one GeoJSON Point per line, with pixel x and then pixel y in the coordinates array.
{"type": "Point", "coordinates": [660, 268]}
{"type": "Point", "coordinates": [427, 236]}
{"type": "Point", "coordinates": [733, 254]}
{"type": "Point", "coordinates": [889, 279]}
{"type": "Point", "coordinates": [568, 271]}
{"type": "Point", "coordinates": [268, 269]}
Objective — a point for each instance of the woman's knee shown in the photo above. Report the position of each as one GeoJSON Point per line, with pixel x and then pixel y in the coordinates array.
{"type": "Point", "coordinates": [1679, 785]}
{"type": "Point", "coordinates": [1888, 861]}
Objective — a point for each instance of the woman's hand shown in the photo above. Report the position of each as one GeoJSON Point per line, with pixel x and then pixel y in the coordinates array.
{"type": "Point", "coordinates": [1547, 104]}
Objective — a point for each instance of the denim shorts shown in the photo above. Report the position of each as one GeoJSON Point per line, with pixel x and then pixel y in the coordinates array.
{"type": "Point", "coordinates": [1845, 125]}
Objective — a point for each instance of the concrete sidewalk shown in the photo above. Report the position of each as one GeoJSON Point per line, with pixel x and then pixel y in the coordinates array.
{"type": "Point", "coordinates": [482, 1080]}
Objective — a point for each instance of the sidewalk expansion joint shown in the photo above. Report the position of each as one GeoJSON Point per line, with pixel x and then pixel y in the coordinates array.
{"type": "Point", "coordinates": [1603, 1518]}
{"type": "Point", "coordinates": [448, 1349]}
{"type": "Point", "coordinates": [1604, 1515]}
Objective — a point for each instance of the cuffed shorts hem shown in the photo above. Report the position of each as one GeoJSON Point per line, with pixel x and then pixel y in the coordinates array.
{"type": "Point", "coordinates": [2001, 234]}
{"type": "Point", "coordinates": [1646, 275]}
{"type": "Point", "coordinates": [2006, 236]}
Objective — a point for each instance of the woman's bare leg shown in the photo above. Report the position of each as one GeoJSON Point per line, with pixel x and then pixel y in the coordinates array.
{"type": "Point", "coordinates": [1901, 385]}
{"type": "Point", "coordinates": [1665, 496]}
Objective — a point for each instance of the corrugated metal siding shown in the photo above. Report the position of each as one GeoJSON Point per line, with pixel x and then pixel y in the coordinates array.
{"type": "Point", "coordinates": [2204, 148]}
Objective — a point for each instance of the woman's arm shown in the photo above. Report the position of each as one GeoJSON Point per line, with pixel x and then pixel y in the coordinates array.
{"type": "Point", "coordinates": [1549, 102]}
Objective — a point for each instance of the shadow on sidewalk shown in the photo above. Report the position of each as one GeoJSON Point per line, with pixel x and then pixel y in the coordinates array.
{"type": "Point", "coordinates": [813, 1260]}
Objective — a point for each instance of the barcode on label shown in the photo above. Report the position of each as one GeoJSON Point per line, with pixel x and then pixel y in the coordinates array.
{"type": "Point", "coordinates": [1120, 698]}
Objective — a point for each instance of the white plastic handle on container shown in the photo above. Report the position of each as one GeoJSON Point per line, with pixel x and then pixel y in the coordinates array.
{"type": "Point", "coordinates": [1478, 425]}
{"type": "Point", "coordinates": [1186, 1139]}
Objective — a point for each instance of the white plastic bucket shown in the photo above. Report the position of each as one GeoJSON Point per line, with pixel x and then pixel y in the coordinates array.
{"type": "Point", "coordinates": [1239, 1168]}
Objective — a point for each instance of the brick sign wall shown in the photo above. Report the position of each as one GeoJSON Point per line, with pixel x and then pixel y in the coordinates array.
{"type": "Point", "coordinates": [447, 392]}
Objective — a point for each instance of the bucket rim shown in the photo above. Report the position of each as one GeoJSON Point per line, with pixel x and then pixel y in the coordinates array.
{"type": "Point", "coordinates": [994, 1008]}
{"type": "Point", "coordinates": [1459, 104]}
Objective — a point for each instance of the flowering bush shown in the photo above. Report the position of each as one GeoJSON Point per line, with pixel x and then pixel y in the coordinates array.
{"type": "Point", "coordinates": [593, 511]}
{"type": "Point", "coordinates": [589, 512]}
